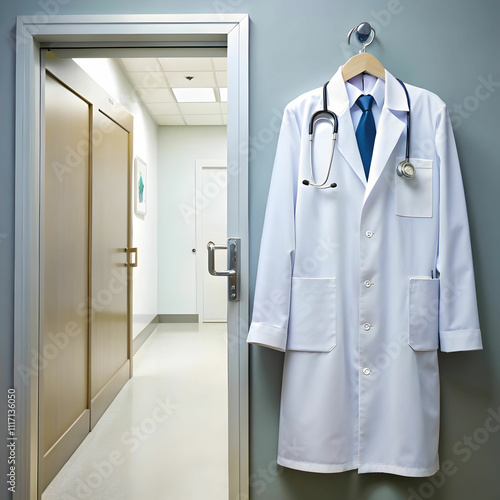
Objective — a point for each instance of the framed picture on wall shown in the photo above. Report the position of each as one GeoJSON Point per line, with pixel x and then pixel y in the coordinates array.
{"type": "Point", "coordinates": [140, 185]}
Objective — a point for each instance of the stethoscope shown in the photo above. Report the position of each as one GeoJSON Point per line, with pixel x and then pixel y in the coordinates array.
{"type": "Point", "coordinates": [404, 169]}
{"type": "Point", "coordinates": [332, 118]}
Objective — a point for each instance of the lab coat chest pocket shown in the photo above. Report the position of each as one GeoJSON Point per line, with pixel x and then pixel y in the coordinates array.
{"type": "Point", "coordinates": [414, 196]}
{"type": "Point", "coordinates": [423, 314]}
{"type": "Point", "coordinates": [312, 323]}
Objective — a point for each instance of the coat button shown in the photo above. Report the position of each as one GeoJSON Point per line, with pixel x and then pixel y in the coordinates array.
{"type": "Point", "coordinates": [368, 283]}
{"type": "Point", "coordinates": [366, 371]}
{"type": "Point", "coordinates": [367, 326]}
{"type": "Point", "coordinates": [369, 234]}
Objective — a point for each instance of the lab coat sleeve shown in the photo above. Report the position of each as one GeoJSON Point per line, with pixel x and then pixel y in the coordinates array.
{"type": "Point", "coordinates": [272, 291]}
{"type": "Point", "coordinates": [458, 316]}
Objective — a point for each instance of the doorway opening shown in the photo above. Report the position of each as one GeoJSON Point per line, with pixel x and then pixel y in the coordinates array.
{"type": "Point", "coordinates": [146, 32]}
{"type": "Point", "coordinates": [176, 205]}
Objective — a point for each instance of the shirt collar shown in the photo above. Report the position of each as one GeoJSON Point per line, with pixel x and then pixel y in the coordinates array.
{"type": "Point", "coordinates": [373, 86]}
{"type": "Point", "coordinates": [338, 100]}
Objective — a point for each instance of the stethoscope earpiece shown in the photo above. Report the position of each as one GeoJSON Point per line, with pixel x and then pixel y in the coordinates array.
{"type": "Point", "coordinates": [307, 183]}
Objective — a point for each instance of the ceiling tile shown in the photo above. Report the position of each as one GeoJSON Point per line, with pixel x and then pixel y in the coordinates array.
{"type": "Point", "coordinates": [201, 79]}
{"type": "Point", "coordinates": [221, 78]}
{"type": "Point", "coordinates": [150, 79]}
{"type": "Point", "coordinates": [156, 95]}
{"type": "Point", "coordinates": [169, 120]}
{"type": "Point", "coordinates": [203, 119]}
{"type": "Point", "coordinates": [164, 108]}
{"type": "Point", "coordinates": [141, 64]}
{"type": "Point", "coordinates": [220, 63]}
{"type": "Point", "coordinates": [186, 63]}
{"type": "Point", "coordinates": [201, 108]}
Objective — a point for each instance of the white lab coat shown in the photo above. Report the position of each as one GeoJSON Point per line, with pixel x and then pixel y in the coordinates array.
{"type": "Point", "coordinates": [344, 285]}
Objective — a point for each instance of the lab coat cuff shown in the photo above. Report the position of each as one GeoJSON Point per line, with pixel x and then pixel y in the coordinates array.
{"type": "Point", "coordinates": [267, 336]}
{"type": "Point", "coordinates": [460, 340]}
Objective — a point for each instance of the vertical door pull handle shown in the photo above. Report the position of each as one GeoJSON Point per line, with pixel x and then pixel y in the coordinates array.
{"type": "Point", "coordinates": [133, 251]}
{"type": "Point", "coordinates": [233, 257]}
{"type": "Point", "coordinates": [212, 247]}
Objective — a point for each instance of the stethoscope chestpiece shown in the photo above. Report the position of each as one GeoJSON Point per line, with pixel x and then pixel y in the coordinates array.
{"type": "Point", "coordinates": [406, 169]}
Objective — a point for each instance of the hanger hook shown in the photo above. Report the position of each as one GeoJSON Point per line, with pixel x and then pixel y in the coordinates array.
{"type": "Point", "coordinates": [365, 33]}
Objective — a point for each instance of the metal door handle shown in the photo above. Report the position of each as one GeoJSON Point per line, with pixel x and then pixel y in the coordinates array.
{"type": "Point", "coordinates": [211, 246]}
{"type": "Point", "coordinates": [131, 251]}
{"type": "Point", "coordinates": [232, 260]}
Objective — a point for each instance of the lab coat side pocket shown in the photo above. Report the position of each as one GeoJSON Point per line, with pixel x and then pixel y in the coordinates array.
{"type": "Point", "coordinates": [423, 334]}
{"type": "Point", "coordinates": [312, 323]}
{"type": "Point", "coordinates": [414, 196]}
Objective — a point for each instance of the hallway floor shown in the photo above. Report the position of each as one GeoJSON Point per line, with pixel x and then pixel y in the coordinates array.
{"type": "Point", "coordinates": [164, 437]}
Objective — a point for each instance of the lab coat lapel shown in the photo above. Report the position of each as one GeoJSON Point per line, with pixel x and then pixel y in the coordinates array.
{"type": "Point", "coordinates": [347, 145]}
{"type": "Point", "coordinates": [391, 125]}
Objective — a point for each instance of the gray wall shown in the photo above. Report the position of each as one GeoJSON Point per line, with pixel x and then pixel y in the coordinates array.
{"type": "Point", "coordinates": [449, 47]}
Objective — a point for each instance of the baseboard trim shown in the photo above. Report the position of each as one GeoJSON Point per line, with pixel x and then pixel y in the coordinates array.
{"type": "Point", "coordinates": [179, 318]}
{"type": "Point", "coordinates": [61, 451]}
{"type": "Point", "coordinates": [144, 335]}
{"type": "Point", "coordinates": [100, 402]}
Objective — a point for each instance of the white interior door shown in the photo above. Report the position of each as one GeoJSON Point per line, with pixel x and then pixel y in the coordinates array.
{"type": "Point", "coordinates": [211, 217]}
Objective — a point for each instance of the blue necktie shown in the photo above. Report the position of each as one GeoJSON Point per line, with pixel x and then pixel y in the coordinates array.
{"type": "Point", "coordinates": [365, 133]}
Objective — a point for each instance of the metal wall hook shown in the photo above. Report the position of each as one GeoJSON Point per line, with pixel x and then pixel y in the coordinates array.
{"type": "Point", "coordinates": [365, 33]}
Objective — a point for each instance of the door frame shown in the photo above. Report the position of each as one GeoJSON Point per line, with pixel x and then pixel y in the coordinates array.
{"type": "Point", "coordinates": [121, 31]}
{"type": "Point", "coordinates": [201, 257]}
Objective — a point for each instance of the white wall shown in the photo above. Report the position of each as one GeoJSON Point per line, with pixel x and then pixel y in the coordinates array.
{"type": "Point", "coordinates": [110, 76]}
{"type": "Point", "coordinates": [178, 150]}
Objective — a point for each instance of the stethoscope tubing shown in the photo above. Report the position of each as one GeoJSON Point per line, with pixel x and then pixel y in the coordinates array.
{"type": "Point", "coordinates": [332, 118]}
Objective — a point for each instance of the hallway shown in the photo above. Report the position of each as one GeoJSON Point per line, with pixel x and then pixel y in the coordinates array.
{"type": "Point", "coordinates": [165, 435]}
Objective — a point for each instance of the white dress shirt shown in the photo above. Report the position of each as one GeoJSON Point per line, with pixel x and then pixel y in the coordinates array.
{"type": "Point", "coordinates": [373, 86]}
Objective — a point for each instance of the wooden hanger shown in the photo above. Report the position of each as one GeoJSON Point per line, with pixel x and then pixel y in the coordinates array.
{"type": "Point", "coordinates": [363, 63]}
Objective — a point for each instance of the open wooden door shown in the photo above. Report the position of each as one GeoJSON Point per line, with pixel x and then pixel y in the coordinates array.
{"type": "Point", "coordinates": [64, 409]}
{"type": "Point", "coordinates": [86, 274]}
{"type": "Point", "coordinates": [109, 359]}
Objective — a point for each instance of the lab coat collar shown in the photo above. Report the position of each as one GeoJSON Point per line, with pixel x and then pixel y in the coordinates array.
{"type": "Point", "coordinates": [391, 125]}
{"type": "Point", "coordinates": [338, 98]}
{"type": "Point", "coordinates": [395, 97]}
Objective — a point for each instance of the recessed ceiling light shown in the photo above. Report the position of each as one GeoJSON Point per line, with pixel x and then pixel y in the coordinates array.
{"type": "Point", "coordinates": [194, 95]}
{"type": "Point", "coordinates": [223, 94]}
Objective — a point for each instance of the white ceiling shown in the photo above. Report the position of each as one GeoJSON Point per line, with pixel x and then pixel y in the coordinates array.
{"type": "Point", "coordinates": [153, 78]}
